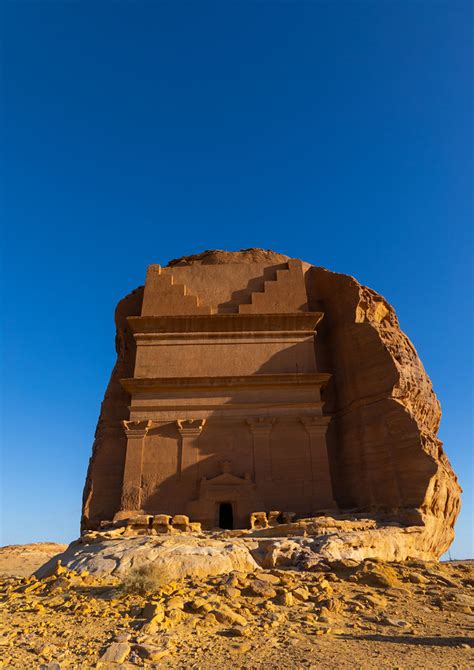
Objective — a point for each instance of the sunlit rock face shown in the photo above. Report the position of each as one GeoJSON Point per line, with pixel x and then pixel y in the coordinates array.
{"type": "Point", "coordinates": [252, 382]}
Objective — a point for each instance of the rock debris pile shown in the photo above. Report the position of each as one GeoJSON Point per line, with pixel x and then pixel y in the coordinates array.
{"type": "Point", "coordinates": [350, 614]}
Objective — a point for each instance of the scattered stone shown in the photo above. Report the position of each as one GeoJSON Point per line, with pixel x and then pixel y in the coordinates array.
{"type": "Point", "coordinates": [262, 589]}
{"type": "Point", "coordinates": [150, 652]}
{"type": "Point", "coordinates": [243, 647]}
{"type": "Point", "coordinates": [284, 598]}
{"type": "Point", "coordinates": [122, 636]}
{"type": "Point", "coordinates": [227, 616]}
{"type": "Point", "coordinates": [378, 575]}
{"type": "Point", "coordinates": [152, 624]}
{"type": "Point", "coordinates": [301, 593]}
{"type": "Point", "coordinates": [175, 603]}
{"type": "Point", "coordinates": [152, 609]}
{"type": "Point", "coordinates": [417, 578]}
{"type": "Point", "coordinates": [372, 600]}
{"type": "Point", "coordinates": [200, 605]}
{"type": "Point", "coordinates": [232, 593]}
{"type": "Point", "coordinates": [240, 631]}
{"type": "Point", "coordinates": [399, 623]}
{"type": "Point", "coordinates": [349, 610]}
{"type": "Point", "coordinates": [116, 652]}
{"type": "Point", "coordinates": [268, 577]}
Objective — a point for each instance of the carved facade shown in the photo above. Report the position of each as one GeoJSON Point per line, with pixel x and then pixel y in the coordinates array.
{"type": "Point", "coordinates": [231, 385]}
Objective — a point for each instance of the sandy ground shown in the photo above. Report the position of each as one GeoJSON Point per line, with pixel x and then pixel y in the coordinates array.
{"type": "Point", "coordinates": [375, 615]}
{"type": "Point", "coordinates": [21, 560]}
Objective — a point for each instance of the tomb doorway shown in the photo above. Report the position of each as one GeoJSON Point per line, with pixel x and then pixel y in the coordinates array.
{"type": "Point", "coordinates": [226, 516]}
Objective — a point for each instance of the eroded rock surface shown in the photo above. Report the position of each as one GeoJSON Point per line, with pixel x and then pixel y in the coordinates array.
{"type": "Point", "coordinates": [179, 557]}
{"type": "Point", "coordinates": [308, 544]}
{"type": "Point", "coordinates": [383, 440]}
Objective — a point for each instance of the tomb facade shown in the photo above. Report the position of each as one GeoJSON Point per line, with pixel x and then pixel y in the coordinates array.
{"type": "Point", "coordinates": [252, 382]}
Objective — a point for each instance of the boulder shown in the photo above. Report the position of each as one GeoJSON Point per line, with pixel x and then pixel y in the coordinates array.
{"type": "Point", "coordinates": [178, 556]}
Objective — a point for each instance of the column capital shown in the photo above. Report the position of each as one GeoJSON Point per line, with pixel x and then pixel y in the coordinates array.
{"type": "Point", "coordinates": [260, 424]}
{"type": "Point", "coordinates": [315, 424]}
{"type": "Point", "coordinates": [137, 428]}
{"type": "Point", "coordinates": [190, 427]}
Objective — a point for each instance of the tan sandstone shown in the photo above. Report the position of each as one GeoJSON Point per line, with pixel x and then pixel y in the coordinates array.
{"type": "Point", "coordinates": [255, 391]}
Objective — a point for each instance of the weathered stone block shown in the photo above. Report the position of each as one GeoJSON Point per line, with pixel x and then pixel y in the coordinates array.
{"type": "Point", "coordinates": [258, 520]}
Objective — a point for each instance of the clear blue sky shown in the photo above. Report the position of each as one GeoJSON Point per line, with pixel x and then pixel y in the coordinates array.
{"type": "Point", "coordinates": [135, 132]}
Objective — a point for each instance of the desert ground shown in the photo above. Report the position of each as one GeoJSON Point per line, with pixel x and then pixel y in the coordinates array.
{"type": "Point", "coordinates": [367, 615]}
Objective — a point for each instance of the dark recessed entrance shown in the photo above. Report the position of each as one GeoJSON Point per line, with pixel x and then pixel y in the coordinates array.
{"type": "Point", "coordinates": [226, 516]}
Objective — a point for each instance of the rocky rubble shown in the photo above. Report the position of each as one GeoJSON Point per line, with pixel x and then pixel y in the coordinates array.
{"type": "Point", "coordinates": [408, 614]}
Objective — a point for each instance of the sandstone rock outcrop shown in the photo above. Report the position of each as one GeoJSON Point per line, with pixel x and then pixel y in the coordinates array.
{"type": "Point", "coordinates": [386, 415]}
{"type": "Point", "coordinates": [309, 544]}
{"type": "Point", "coordinates": [177, 557]}
{"type": "Point", "coordinates": [383, 452]}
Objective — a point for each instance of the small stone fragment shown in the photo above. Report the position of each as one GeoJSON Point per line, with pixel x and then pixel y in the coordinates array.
{"type": "Point", "coordinates": [122, 636]}
{"type": "Point", "coordinates": [417, 578]}
{"type": "Point", "coordinates": [150, 652]}
{"type": "Point", "coordinates": [268, 577]}
{"type": "Point", "coordinates": [232, 593]}
{"type": "Point", "coordinates": [152, 609]}
{"type": "Point", "coordinates": [240, 631]}
{"type": "Point", "coordinates": [227, 616]}
{"type": "Point", "coordinates": [285, 599]}
{"type": "Point", "coordinates": [116, 652]}
{"type": "Point", "coordinates": [175, 603]}
{"type": "Point", "coordinates": [243, 648]}
{"type": "Point", "coordinates": [301, 593]}
{"type": "Point", "coordinates": [261, 589]}
{"type": "Point", "coordinates": [200, 605]}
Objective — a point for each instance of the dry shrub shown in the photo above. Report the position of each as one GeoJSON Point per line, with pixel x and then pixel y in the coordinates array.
{"type": "Point", "coordinates": [147, 578]}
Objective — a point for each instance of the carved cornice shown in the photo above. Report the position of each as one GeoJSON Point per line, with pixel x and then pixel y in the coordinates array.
{"type": "Point", "coordinates": [226, 323]}
{"type": "Point", "coordinates": [147, 384]}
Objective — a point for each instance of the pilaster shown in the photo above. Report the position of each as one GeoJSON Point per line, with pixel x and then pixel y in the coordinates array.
{"type": "Point", "coordinates": [190, 432]}
{"type": "Point", "coordinates": [322, 493]}
{"type": "Point", "coordinates": [136, 432]}
{"type": "Point", "coordinates": [261, 428]}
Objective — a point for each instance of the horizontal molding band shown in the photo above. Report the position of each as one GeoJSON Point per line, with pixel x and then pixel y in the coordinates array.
{"type": "Point", "coordinates": [180, 339]}
{"type": "Point", "coordinates": [231, 407]}
{"type": "Point", "coordinates": [318, 420]}
{"type": "Point", "coordinates": [308, 379]}
{"type": "Point", "coordinates": [225, 323]}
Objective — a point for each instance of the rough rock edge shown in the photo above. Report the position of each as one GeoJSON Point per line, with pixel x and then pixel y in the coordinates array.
{"type": "Point", "coordinates": [414, 394]}
{"type": "Point", "coordinates": [221, 257]}
{"type": "Point", "coordinates": [198, 556]}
